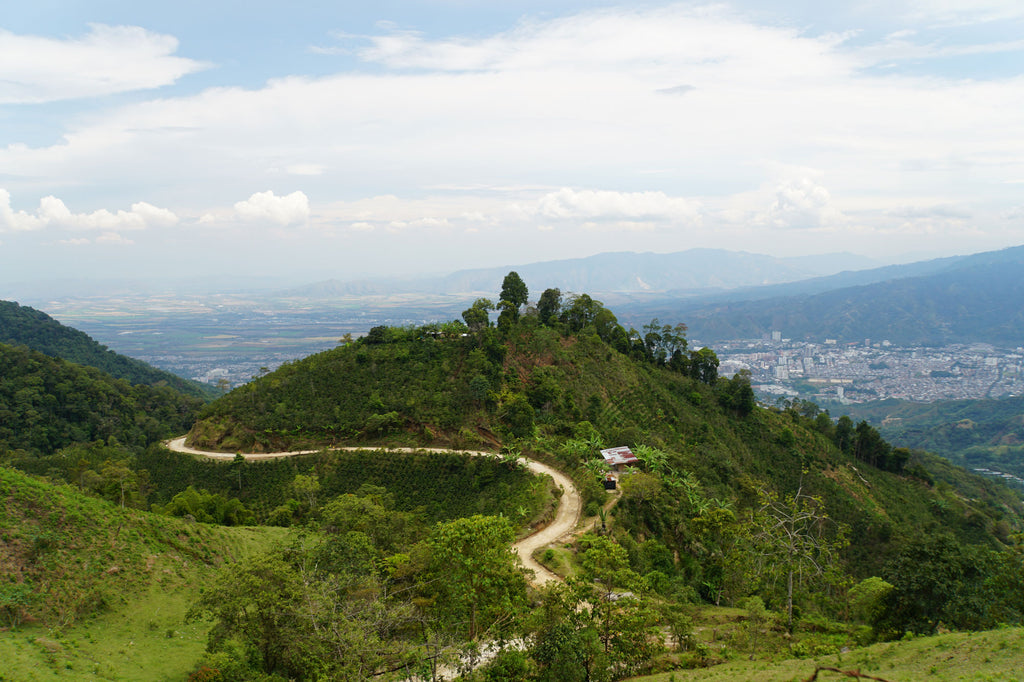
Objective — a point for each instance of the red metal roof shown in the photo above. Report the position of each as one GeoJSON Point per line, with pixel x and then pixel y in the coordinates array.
{"type": "Point", "coordinates": [619, 455]}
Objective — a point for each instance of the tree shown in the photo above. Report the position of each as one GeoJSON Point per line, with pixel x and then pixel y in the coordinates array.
{"type": "Point", "coordinates": [476, 316]}
{"type": "Point", "coordinates": [474, 576]}
{"type": "Point", "coordinates": [598, 626]}
{"type": "Point", "coordinates": [757, 616]}
{"type": "Point", "coordinates": [663, 341]}
{"type": "Point", "coordinates": [939, 580]}
{"type": "Point", "coordinates": [791, 536]}
{"type": "Point", "coordinates": [704, 365]}
{"type": "Point", "coordinates": [375, 335]}
{"type": "Point", "coordinates": [514, 293]}
{"type": "Point", "coordinates": [282, 616]}
{"type": "Point", "coordinates": [513, 296]}
{"type": "Point", "coordinates": [256, 601]}
{"type": "Point", "coordinates": [517, 416]}
{"type": "Point", "coordinates": [549, 305]}
{"type": "Point", "coordinates": [870, 447]}
{"type": "Point", "coordinates": [867, 599]}
{"type": "Point", "coordinates": [844, 435]}
{"type": "Point", "coordinates": [238, 466]}
{"type": "Point", "coordinates": [119, 478]}
{"type": "Point", "coordinates": [737, 394]}
{"type": "Point", "coordinates": [308, 487]}
{"type": "Point", "coordinates": [580, 311]}
{"type": "Point", "coordinates": [565, 644]}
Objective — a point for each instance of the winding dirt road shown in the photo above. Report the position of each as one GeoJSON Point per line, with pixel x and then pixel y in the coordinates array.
{"type": "Point", "coordinates": [561, 528]}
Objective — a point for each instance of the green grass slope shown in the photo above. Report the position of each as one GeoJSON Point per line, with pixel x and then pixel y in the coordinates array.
{"type": "Point", "coordinates": [92, 591]}
{"type": "Point", "coordinates": [26, 326]}
{"type": "Point", "coordinates": [989, 656]}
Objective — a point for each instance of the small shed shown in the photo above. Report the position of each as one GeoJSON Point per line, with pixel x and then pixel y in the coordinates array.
{"type": "Point", "coordinates": [619, 458]}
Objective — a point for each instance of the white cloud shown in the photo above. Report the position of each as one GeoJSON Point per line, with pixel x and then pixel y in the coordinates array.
{"type": "Point", "coordinates": [53, 213]}
{"type": "Point", "coordinates": [802, 203]}
{"type": "Point", "coordinates": [437, 136]}
{"type": "Point", "coordinates": [428, 215]}
{"type": "Point", "coordinates": [112, 238]}
{"type": "Point", "coordinates": [1013, 214]}
{"type": "Point", "coordinates": [606, 205]}
{"type": "Point", "coordinates": [107, 60]}
{"type": "Point", "coordinates": [935, 211]}
{"type": "Point", "coordinates": [16, 221]}
{"type": "Point", "coordinates": [267, 207]}
{"type": "Point", "coordinates": [420, 224]}
{"type": "Point", "coordinates": [579, 101]}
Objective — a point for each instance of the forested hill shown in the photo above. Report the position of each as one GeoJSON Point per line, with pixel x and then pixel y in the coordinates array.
{"type": "Point", "coordinates": [563, 379]}
{"type": "Point", "coordinates": [25, 326]}
{"type": "Point", "coordinates": [963, 300]}
{"type": "Point", "coordinates": [49, 403]}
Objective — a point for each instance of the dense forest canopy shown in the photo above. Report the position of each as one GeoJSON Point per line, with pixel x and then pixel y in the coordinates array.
{"type": "Point", "coordinates": [47, 404]}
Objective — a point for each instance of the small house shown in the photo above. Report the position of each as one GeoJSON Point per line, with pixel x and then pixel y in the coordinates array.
{"type": "Point", "coordinates": [619, 458]}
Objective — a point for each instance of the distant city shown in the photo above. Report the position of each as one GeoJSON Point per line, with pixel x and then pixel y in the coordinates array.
{"type": "Point", "coordinates": [874, 370]}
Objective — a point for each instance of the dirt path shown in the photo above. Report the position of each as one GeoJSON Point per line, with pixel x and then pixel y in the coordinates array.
{"type": "Point", "coordinates": [561, 528]}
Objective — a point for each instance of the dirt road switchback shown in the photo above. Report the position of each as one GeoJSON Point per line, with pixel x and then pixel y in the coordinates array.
{"type": "Point", "coordinates": [561, 527]}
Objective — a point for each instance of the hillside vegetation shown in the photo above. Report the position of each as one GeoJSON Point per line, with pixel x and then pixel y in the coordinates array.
{"type": "Point", "coordinates": [25, 326]}
{"type": "Point", "coordinates": [970, 433]}
{"type": "Point", "coordinates": [66, 556]}
{"type": "Point", "coordinates": [49, 403]}
{"type": "Point", "coordinates": [951, 657]}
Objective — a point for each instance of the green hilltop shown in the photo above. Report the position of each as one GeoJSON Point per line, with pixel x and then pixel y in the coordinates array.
{"type": "Point", "coordinates": [558, 384]}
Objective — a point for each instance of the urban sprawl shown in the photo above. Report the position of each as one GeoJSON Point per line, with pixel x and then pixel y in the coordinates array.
{"type": "Point", "coordinates": [870, 370]}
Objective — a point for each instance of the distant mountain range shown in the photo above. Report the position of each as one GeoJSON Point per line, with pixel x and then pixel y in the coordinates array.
{"type": "Point", "coordinates": [623, 273]}
{"type": "Point", "coordinates": [974, 298]}
{"type": "Point", "coordinates": [724, 295]}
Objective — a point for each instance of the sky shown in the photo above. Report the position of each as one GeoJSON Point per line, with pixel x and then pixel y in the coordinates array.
{"type": "Point", "coordinates": [338, 139]}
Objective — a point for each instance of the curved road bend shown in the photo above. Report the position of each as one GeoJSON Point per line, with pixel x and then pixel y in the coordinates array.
{"type": "Point", "coordinates": [564, 523]}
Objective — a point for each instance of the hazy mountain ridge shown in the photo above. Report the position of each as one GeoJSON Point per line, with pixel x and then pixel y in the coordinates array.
{"type": "Point", "coordinates": [951, 300]}
{"type": "Point", "coordinates": [621, 272]}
